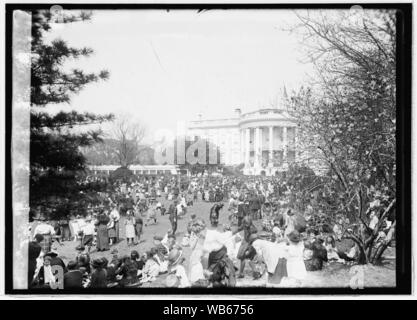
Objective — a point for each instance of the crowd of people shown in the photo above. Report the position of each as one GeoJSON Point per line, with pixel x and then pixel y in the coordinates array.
{"type": "Point", "coordinates": [261, 232]}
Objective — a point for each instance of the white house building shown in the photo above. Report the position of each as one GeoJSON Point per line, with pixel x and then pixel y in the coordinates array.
{"type": "Point", "coordinates": [263, 140]}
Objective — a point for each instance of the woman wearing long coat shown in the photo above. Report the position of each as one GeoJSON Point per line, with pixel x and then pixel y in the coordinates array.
{"type": "Point", "coordinates": [102, 232]}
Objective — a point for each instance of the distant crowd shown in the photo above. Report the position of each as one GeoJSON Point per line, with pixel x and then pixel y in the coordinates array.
{"type": "Point", "coordinates": [277, 243]}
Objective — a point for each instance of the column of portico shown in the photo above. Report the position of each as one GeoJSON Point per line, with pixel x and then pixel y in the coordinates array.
{"type": "Point", "coordinates": [285, 144]}
{"type": "Point", "coordinates": [271, 147]}
{"type": "Point", "coordinates": [256, 147]}
{"type": "Point", "coordinates": [247, 146]}
{"type": "Point", "coordinates": [242, 146]}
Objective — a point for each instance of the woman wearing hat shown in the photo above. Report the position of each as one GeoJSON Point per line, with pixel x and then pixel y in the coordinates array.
{"type": "Point", "coordinates": [102, 232]}
{"type": "Point", "coordinates": [196, 270]}
{"type": "Point", "coordinates": [98, 274]}
{"type": "Point", "coordinates": [176, 269]}
{"type": "Point", "coordinates": [130, 228]}
{"type": "Point", "coordinates": [111, 230]}
{"type": "Point", "coordinates": [47, 231]}
{"type": "Point", "coordinates": [44, 277]}
{"type": "Point", "coordinates": [295, 257]}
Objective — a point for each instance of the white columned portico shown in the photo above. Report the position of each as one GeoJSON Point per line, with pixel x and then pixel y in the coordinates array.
{"type": "Point", "coordinates": [242, 146]}
{"type": "Point", "coordinates": [256, 147]}
{"type": "Point", "coordinates": [271, 147]}
{"type": "Point", "coordinates": [285, 144]}
{"type": "Point", "coordinates": [247, 146]}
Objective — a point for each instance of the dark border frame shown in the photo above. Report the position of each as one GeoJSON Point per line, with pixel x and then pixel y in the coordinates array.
{"type": "Point", "coordinates": [403, 152]}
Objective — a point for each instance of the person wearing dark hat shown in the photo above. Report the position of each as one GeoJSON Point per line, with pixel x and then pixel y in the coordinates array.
{"type": "Point", "coordinates": [138, 225]}
{"type": "Point", "coordinates": [98, 274]}
{"type": "Point", "coordinates": [44, 276]}
{"type": "Point", "coordinates": [173, 216]}
{"type": "Point", "coordinates": [214, 214]}
{"type": "Point", "coordinates": [242, 210]}
{"type": "Point", "coordinates": [111, 269]}
{"type": "Point", "coordinates": [221, 270]}
{"type": "Point", "coordinates": [66, 232]}
{"type": "Point", "coordinates": [128, 271]}
{"type": "Point", "coordinates": [74, 277]}
{"type": "Point", "coordinates": [34, 251]}
{"type": "Point", "coordinates": [136, 259]}
{"type": "Point", "coordinates": [254, 206]}
{"type": "Point", "coordinates": [249, 255]}
{"type": "Point", "coordinates": [102, 232]}
{"type": "Point", "coordinates": [248, 229]}
{"type": "Point", "coordinates": [82, 258]}
{"type": "Point", "coordinates": [315, 255]}
{"type": "Point", "coordinates": [161, 248]}
{"type": "Point", "coordinates": [55, 260]}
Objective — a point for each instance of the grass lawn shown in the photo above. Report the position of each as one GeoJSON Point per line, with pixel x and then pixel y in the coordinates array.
{"type": "Point", "coordinates": [333, 275]}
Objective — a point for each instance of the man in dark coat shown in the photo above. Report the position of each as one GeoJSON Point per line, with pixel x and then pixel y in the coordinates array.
{"type": "Point", "coordinates": [254, 206]}
{"type": "Point", "coordinates": [175, 192]}
{"type": "Point", "coordinates": [214, 213]}
{"type": "Point", "coordinates": [248, 229]}
{"type": "Point", "coordinates": [173, 217]}
{"type": "Point", "coordinates": [242, 211]}
{"type": "Point", "coordinates": [74, 277]}
{"type": "Point", "coordinates": [34, 250]}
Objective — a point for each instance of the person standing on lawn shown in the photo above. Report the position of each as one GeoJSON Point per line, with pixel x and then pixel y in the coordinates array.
{"type": "Point", "coordinates": [138, 226]}
{"type": "Point", "coordinates": [111, 231]}
{"type": "Point", "coordinates": [115, 215]}
{"type": "Point", "coordinates": [88, 230]}
{"type": "Point", "coordinates": [295, 257]}
{"type": "Point", "coordinates": [248, 229]}
{"type": "Point", "coordinates": [102, 233]}
{"type": "Point", "coordinates": [215, 212]}
{"type": "Point", "coordinates": [173, 216]}
{"type": "Point", "coordinates": [130, 228]}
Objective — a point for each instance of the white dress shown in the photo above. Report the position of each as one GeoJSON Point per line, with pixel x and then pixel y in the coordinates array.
{"type": "Point", "coordinates": [196, 267]}
{"type": "Point", "coordinates": [296, 268]}
{"type": "Point", "coordinates": [130, 229]}
{"type": "Point", "coordinates": [182, 276]}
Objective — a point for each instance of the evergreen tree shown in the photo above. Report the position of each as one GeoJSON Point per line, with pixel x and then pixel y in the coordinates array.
{"type": "Point", "coordinates": [55, 156]}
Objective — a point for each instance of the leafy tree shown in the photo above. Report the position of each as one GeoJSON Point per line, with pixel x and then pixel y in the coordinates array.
{"type": "Point", "coordinates": [346, 118]}
{"type": "Point", "coordinates": [55, 156]}
{"type": "Point", "coordinates": [122, 174]}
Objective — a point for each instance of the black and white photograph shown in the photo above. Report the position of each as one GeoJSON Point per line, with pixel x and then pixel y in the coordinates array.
{"type": "Point", "coordinates": [207, 148]}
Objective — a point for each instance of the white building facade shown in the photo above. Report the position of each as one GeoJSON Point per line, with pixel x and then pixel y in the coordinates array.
{"type": "Point", "coordinates": [263, 140]}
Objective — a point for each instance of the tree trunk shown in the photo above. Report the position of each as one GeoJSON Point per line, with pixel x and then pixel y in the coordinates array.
{"type": "Point", "coordinates": [384, 245]}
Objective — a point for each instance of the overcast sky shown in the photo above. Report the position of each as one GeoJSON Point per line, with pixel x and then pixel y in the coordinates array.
{"type": "Point", "coordinates": [166, 67]}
